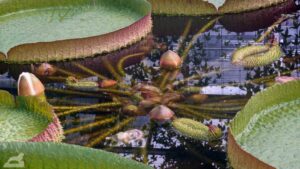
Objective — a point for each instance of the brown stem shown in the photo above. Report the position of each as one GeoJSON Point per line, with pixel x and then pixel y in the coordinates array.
{"type": "Point", "coordinates": [84, 108]}
{"type": "Point", "coordinates": [71, 92]}
{"type": "Point", "coordinates": [194, 39]}
{"type": "Point", "coordinates": [270, 29]}
{"type": "Point", "coordinates": [164, 80]}
{"type": "Point", "coordinates": [91, 72]}
{"type": "Point", "coordinates": [114, 91]}
{"type": "Point", "coordinates": [120, 64]}
{"type": "Point", "coordinates": [188, 110]}
{"type": "Point", "coordinates": [184, 34]}
{"type": "Point", "coordinates": [112, 70]}
{"type": "Point", "coordinates": [91, 125]}
{"type": "Point", "coordinates": [110, 131]}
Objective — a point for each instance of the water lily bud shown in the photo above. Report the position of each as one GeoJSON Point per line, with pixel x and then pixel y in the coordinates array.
{"type": "Point", "coordinates": [198, 98]}
{"type": "Point", "coordinates": [161, 113]}
{"type": "Point", "coordinates": [171, 97]}
{"type": "Point", "coordinates": [148, 91]}
{"type": "Point", "coordinates": [30, 85]}
{"type": "Point", "coordinates": [107, 83]}
{"type": "Point", "coordinates": [44, 69]}
{"type": "Point", "coordinates": [149, 103]}
{"type": "Point", "coordinates": [215, 131]}
{"type": "Point", "coordinates": [170, 60]}
{"type": "Point", "coordinates": [131, 109]}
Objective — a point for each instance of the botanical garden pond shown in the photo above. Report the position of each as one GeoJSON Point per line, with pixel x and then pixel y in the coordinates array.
{"type": "Point", "coordinates": [208, 87]}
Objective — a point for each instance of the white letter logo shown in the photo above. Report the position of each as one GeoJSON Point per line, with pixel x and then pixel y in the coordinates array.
{"type": "Point", "coordinates": [15, 162]}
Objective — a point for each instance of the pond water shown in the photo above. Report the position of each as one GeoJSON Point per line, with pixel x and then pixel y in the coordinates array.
{"type": "Point", "coordinates": [228, 90]}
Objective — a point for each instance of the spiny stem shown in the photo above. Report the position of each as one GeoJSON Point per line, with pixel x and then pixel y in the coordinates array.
{"type": "Point", "coordinates": [65, 72]}
{"type": "Point", "coordinates": [110, 131]}
{"type": "Point", "coordinates": [188, 110]}
{"type": "Point", "coordinates": [84, 108]}
{"type": "Point", "coordinates": [270, 77]}
{"type": "Point", "coordinates": [184, 34]}
{"type": "Point", "coordinates": [270, 29]}
{"type": "Point", "coordinates": [63, 108]}
{"type": "Point", "coordinates": [190, 90]}
{"type": "Point", "coordinates": [91, 125]}
{"type": "Point", "coordinates": [85, 119]}
{"type": "Point", "coordinates": [198, 76]}
{"type": "Point", "coordinates": [210, 108]}
{"type": "Point", "coordinates": [186, 114]}
{"type": "Point", "coordinates": [60, 102]}
{"type": "Point", "coordinates": [71, 92]}
{"type": "Point", "coordinates": [114, 91]}
{"type": "Point", "coordinates": [224, 104]}
{"type": "Point", "coordinates": [112, 70]}
{"type": "Point", "coordinates": [194, 39]}
{"type": "Point", "coordinates": [120, 64]}
{"type": "Point", "coordinates": [56, 78]}
{"type": "Point", "coordinates": [164, 80]}
{"type": "Point", "coordinates": [91, 72]}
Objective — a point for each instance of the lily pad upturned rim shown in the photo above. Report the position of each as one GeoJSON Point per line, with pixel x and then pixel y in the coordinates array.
{"type": "Point", "coordinates": [50, 155]}
{"type": "Point", "coordinates": [75, 48]}
{"type": "Point", "coordinates": [203, 7]}
{"type": "Point", "coordinates": [30, 104]}
{"type": "Point", "coordinates": [238, 157]}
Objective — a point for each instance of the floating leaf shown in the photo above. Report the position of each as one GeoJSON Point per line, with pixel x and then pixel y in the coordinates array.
{"type": "Point", "coordinates": [50, 30]}
{"type": "Point", "coordinates": [27, 119]}
{"type": "Point", "coordinates": [265, 133]}
{"type": "Point", "coordinates": [208, 7]}
{"type": "Point", "coordinates": [64, 156]}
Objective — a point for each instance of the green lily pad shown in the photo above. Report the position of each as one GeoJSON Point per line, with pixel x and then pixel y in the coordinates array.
{"type": "Point", "coordinates": [209, 7]}
{"type": "Point", "coordinates": [48, 30]}
{"type": "Point", "coordinates": [23, 119]}
{"type": "Point", "coordinates": [64, 156]}
{"type": "Point", "coordinates": [268, 129]}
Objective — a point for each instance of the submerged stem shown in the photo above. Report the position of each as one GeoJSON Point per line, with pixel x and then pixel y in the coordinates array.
{"type": "Point", "coordinates": [89, 71]}
{"type": "Point", "coordinates": [112, 70]}
{"type": "Point", "coordinates": [110, 131]}
{"type": "Point", "coordinates": [120, 64]}
{"type": "Point", "coordinates": [84, 108]}
{"type": "Point", "coordinates": [164, 80]}
{"type": "Point", "coordinates": [188, 110]}
{"type": "Point", "coordinates": [184, 34]}
{"type": "Point", "coordinates": [198, 76]}
{"type": "Point", "coordinates": [71, 92]}
{"type": "Point", "coordinates": [115, 91]}
{"type": "Point", "coordinates": [194, 39]}
{"type": "Point", "coordinates": [91, 125]}
{"type": "Point", "coordinates": [65, 72]}
{"type": "Point", "coordinates": [270, 29]}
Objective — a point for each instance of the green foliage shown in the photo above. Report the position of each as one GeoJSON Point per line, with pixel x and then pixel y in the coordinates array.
{"type": "Point", "coordinates": [6, 99]}
{"type": "Point", "coordinates": [65, 156]}
{"type": "Point", "coordinates": [267, 127]}
{"type": "Point", "coordinates": [270, 97]}
{"type": "Point", "coordinates": [23, 119]}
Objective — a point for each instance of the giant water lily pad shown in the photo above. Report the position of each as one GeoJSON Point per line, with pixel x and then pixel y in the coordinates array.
{"type": "Point", "coordinates": [51, 30]}
{"type": "Point", "coordinates": [64, 156]}
{"type": "Point", "coordinates": [27, 119]}
{"type": "Point", "coordinates": [265, 134]}
{"type": "Point", "coordinates": [209, 7]}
